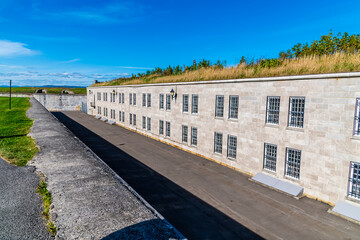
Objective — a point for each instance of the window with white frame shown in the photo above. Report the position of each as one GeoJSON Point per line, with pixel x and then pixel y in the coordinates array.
{"type": "Point", "coordinates": [233, 107]}
{"type": "Point", "coordinates": [357, 118]}
{"type": "Point", "coordinates": [270, 152]}
{"type": "Point", "coordinates": [105, 96]}
{"type": "Point", "coordinates": [354, 180]}
{"type": "Point", "coordinates": [130, 119]}
{"type": "Point", "coordinates": [99, 96]}
{"type": "Point", "coordinates": [168, 101]}
{"type": "Point", "coordinates": [144, 122]}
{"type": "Point", "coordinates": [99, 110]}
{"type": "Point", "coordinates": [194, 103]}
{"type": "Point", "coordinates": [194, 135]}
{"type": "Point", "coordinates": [296, 112]}
{"type": "Point", "coordinates": [149, 100]}
{"type": "Point", "coordinates": [184, 133]}
{"type": "Point", "coordinates": [149, 124]}
{"type": "Point", "coordinates": [185, 103]}
{"type": "Point", "coordinates": [134, 99]}
{"type": "Point", "coordinates": [161, 101]}
{"type": "Point", "coordinates": [123, 117]}
{"type": "Point", "coordinates": [161, 127]}
{"type": "Point", "coordinates": [168, 129]}
{"type": "Point", "coordinates": [231, 146]}
{"type": "Point", "coordinates": [218, 138]}
{"type": "Point", "coordinates": [119, 116]}
{"type": "Point", "coordinates": [134, 119]}
{"type": "Point", "coordinates": [123, 97]}
{"type": "Point", "coordinates": [273, 110]}
{"type": "Point", "coordinates": [292, 163]}
{"type": "Point", "coordinates": [130, 98]}
{"type": "Point", "coordinates": [119, 97]}
{"type": "Point", "coordinates": [219, 106]}
{"type": "Point", "coordinates": [144, 99]}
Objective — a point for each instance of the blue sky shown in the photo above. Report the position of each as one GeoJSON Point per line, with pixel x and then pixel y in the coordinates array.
{"type": "Point", "coordinates": [75, 42]}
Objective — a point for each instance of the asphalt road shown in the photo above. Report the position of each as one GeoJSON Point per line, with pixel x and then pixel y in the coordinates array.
{"type": "Point", "coordinates": [20, 205]}
{"type": "Point", "coordinates": [203, 199]}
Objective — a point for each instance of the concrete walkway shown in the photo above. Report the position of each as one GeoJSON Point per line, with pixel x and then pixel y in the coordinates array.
{"type": "Point", "coordinates": [89, 200]}
{"type": "Point", "coordinates": [20, 205]}
{"type": "Point", "coordinates": [203, 199]}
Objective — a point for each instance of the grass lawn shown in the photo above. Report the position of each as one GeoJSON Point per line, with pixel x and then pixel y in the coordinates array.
{"type": "Point", "coordinates": [15, 146]}
{"type": "Point", "coordinates": [49, 90]}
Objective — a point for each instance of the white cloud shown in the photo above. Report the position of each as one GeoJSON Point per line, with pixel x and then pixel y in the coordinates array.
{"type": "Point", "coordinates": [129, 67]}
{"type": "Point", "coordinates": [72, 60]}
{"type": "Point", "coordinates": [10, 49]}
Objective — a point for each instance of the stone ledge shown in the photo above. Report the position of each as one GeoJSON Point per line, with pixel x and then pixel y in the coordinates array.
{"type": "Point", "coordinates": [347, 210]}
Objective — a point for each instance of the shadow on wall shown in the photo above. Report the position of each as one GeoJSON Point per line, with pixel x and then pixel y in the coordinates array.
{"type": "Point", "coordinates": [193, 217]}
{"type": "Point", "coordinates": [154, 229]}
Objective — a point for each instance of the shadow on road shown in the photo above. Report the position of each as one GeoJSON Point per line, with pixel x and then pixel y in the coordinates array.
{"type": "Point", "coordinates": [190, 215]}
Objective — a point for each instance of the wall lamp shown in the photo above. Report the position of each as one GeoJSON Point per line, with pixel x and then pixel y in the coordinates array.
{"type": "Point", "coordinates": [173, 94]}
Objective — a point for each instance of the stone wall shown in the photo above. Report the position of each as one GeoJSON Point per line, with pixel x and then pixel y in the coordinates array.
{"type": "Point", "coordinates": [326, 140]}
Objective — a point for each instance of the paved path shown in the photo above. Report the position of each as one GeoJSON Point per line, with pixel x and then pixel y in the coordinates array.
{"type": "Point", "coordinates": [89, 200]}
{"type": "Point", "coordinates": [203, 199]}
{"type": "Point", "coordinates": [20, 205]}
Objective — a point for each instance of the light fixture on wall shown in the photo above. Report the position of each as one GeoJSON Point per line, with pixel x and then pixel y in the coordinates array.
{"type": "Point", "coordinates": [113, 92]}
{"type": "Point", "coordinates": [173, 94]}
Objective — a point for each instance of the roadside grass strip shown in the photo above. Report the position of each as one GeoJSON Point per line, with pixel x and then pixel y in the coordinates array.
{"type": "Point", "coordinates": [46, 196]}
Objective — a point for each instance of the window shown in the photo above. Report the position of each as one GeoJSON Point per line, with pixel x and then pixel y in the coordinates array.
{"type": "Point", "coordinates": [113, 114]}
{"type": "Point", "coordinates": [272, 110]}
{"type": "Point", "coordinates": [233, 107]}
{"type": "Point", "coordinates": [354, 180]}
{"type": "Point", "coordinates": [293, 158]}
{"type": "Point", "coordinates": [161, 127]}
{"type": "Point", "coordinates": [232, 143]}
{"type": "Point", "coordinates": [185, 103]}
{"type": "Point", "coordinates": [168, 102]}
{"type": "Point", "coordinates": [218, 142]}
{"type": "Point", "coordinates": [105, 96]}
{"type": "Point", "coordinates": [219, 106]}
{"type": "Point", "coordinates": [123, 97]}
{"type": "Point", "coordinates": [134, 116]}
{"type": "Point", "coordinates": [99, 96]}
{"type": "Point", "coordinates": [357, 118]}
{"type": "Point", "coordinates": [193, 136]}
{"type": "Point", "coordinates": [184, 133]}
{"type": "Point", "coordinates": [130, 118]}
{"type": "Point", "coordinates": [144, 99]}
{"type": "Point", "coordinates": [149, 124]}
{"type": "Point", "coordinates": [119, 97]}
{"type": "Point", "coordinates": [149, 100]}
{"type": "Point", "coordinates": [123, 117]}
{"type": "Point", "coordinates": [195, 104]}
{"type": "Point", "coordinates": [112, 97]}
{"type": "Point", "coordinates": [270, 152]}
{"type": "Point", "coordinates": [161, 101]}
{"type": "Point", "coordinates": [130, 98]}
{"type": "Point", "coordinates": [119, 116]}
{"type": "Point", "coordinates": [296, 112]}
{"type": "Point", "coordinates": [134, 99]}
{"type": "Point", "coordinates": [99, 110]}
{"type": "Point", "coordinates": [144, 122]}
{"type": "Point", "coordinates": [168, 129]}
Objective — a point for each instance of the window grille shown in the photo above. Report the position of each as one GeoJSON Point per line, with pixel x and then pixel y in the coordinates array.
{"type": "Point", "coordinates": [130, 119]}
{"type": "Point", "coordinates": [119, 116]}
{"type": "Point", "coordinates": [232, 144]}
{"type": "Point", "coordinates": [161, 101]}
{"type": "Point", "coordinates": [104, 112]}
{"type": "Point", "coordinates": [123, 97]}
{"type": "Point", "coordinates": [119, 97]}
{"type": "Point", "coordinates": [296, 112]}
{"type": "Point", "coordinates": [149, 124]}
{"type": "Point", "coordinates": [99, 110]}
{"type": "Point", "coordinates": [293, 160]}
{"type": "Point", "coordinates": [149, 100]}
{"type": "Point", "coordinates": [184, 133]}
{"type": "Point", "coordinates": [185, 103]}
{"type": "Point", "coordinates": [168, 102]}
{"type": "Point", "coordinates": [194, 136]}
{"type": "Point", "coordinates": [273, 110]}
{"type": "Point", "coordinates": [357, 118]}
{"type": "Point", "coordinates": [233, 107]}
{"type": "Point", "coordinates": [99, 96]}
{"type": "Point", "coordinates": [219, 106]}
{"type": "Point", "coordinates": [161, 127]}
{"type": "Point", "coordinates": [144, 99]}
{"type": "Point", "coordinates": [195, 104]}
{"type": "Point", "coordinates": [123, 116]}
{"type": "Point", "coordinates": [218, 142]}
{"type": "Point", "coordinates": [130, 98]}
{"type": "Point", "coordinates": [168, 129]}
{"type": "Point", "coordinates": [144, 122]}
{"type": "Point", "coordinates": [354, 180]}
{"type": "Point", "coordinates": [134, 99]}
{"type": "Point", "coordinates": [134, 120]}
{"type": "Point", "coordinates": [105, 96]}
{"type": "Point", "coordinates": [270, 152]}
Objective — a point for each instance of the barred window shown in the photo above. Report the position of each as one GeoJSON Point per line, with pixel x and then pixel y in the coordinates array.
{"type": "Point", "coordinates": [185, 103]}
{"type": "Point", "coordinates": [144, 122]}
{"type": "Point", "coordinates": [123, 97]}
{"type": "Point", "coordinates": [130, 98]}
{"type": "Point", "coordinates": [134, 99]}
{"type": "Point", "coordinates": [149, 100]}
{"type": "Point", "coordinates": [296, 112]}
{"type": "Point", "coordinates": [194, 135]}
{"type": "Point", "coordinates": [231, 146]}
{"type": "Point", "coordinates": [119, 97]}
{"type": "Point", "coordinates": [111, 113]}
{"type": "Point", "coordinates": [168, 129]}
{"type": "Point", "coordinates": [354, 180]}
{"type": "Point", "coordinates": [99, 96]}
{"type": "Point", "coordinates": [161, 127]}
{"type": "Point", "coordinates": [233, 107]}
{"type": "Point", "coordinates": [149, 124]}
{"type": "Point", "coordinates": [105, 96]}
{"type": "Point", "coordinates": [168, 101]}
{"type": "Point", "coordinates": [357, 118]}
{"type": "Point", "coordinates": [130, 119]}
{"type": "Point", "coordinates": [195, 104]}
{"type": "Point", "coordinates": [273, 110]}
{"type": "Point", "coordinates": [161, 101]}
{"type": "Point", "coordinates": [144, 99]}
{"type": "Point", "coordinates": [134, 119]}
{"type": "Point", "coordinates": [218, 142]}
{"type": "Point", "coordinates": [119, 116]}
{"type": "Point", "coordinates": [123, 116]}
{"type": "Point", "coordinates": [184, 133]}
{"type": "Point", "coordinates": [270, 152]}
{"type": "Point", "coordinates": [293, 160]}
{"type": "Point", "coordinates": [104, 111]}
{"type": "Point", "coordinates": [99, 110]}
{"type": "Point", "coordinates": [219, 106]}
